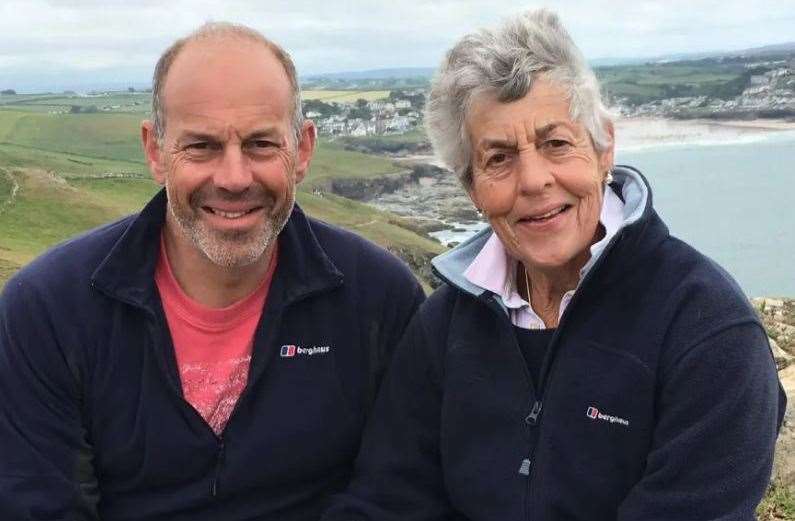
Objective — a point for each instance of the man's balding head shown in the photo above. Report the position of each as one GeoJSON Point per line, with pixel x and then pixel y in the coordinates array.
{"type": "Point", "coordinates": [212, 32]}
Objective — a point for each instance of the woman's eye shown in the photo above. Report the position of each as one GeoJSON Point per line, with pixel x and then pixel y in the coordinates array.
{"type": "Point", "coordinates": [496, 159]}
{"type": "Point", "coordinates": [556, 143]}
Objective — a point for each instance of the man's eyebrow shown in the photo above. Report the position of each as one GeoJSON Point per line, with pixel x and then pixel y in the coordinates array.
{"type": "Point", "coordinates": [268, 132]}
{"type": "Point", "coordinates": [191, 135]}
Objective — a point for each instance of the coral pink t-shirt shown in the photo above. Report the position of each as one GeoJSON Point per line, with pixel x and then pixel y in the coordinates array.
{"type": "Point", "coordinates": [212, 346]}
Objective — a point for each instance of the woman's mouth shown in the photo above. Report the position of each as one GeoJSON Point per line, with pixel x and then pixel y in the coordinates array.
{"type": "Point", "coordinates": [546, 216]}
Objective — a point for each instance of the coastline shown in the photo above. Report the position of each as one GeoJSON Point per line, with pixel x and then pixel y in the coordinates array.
{"type": "Point", "coordinates": [438, 205]}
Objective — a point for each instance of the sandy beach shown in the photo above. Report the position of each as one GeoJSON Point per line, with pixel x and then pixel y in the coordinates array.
{"type": "Point", "coordinates": [640, 133]}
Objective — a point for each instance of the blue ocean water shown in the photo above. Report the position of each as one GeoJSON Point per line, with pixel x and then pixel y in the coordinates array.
{"type": "Point", "coordinates": [735, 202]}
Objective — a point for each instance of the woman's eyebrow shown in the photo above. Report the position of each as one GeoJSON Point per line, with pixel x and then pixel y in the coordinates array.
{"type": "Point", "coordinates": [487, 143]}
{"type": "Point", "coordinates": [549, 127]}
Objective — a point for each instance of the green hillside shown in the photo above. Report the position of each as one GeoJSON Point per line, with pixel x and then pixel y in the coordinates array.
{"type": "Point", "coordinates": [656, 81]}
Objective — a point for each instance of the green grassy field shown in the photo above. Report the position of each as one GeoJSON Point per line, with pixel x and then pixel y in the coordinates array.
{"type": "Point", "coordinates": [643, 83]}
{"type": "Point", "coordinates": [76, 171]}
{"type": "Point", "coordinates": [104, 102]}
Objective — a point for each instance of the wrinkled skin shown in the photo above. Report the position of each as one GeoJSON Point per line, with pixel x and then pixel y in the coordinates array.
{"type": "Point", "coordinates": [531, 160]}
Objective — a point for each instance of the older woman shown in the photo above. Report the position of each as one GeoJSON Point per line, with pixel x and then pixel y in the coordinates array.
{"type": "Point", "coordinates": [578, 363]}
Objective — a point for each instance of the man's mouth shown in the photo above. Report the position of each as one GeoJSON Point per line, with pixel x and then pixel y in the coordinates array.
{"type": "Point", "coordinates": [547, 215]}
{"type": "Point", "coordinates": [230, 214]}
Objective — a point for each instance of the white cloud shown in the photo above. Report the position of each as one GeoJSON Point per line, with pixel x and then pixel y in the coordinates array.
{"type": "Point", "coordinates": [111, 35]}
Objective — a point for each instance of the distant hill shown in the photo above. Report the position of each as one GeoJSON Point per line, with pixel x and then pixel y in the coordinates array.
{"type": "Point", "coordinates": [754, 52]}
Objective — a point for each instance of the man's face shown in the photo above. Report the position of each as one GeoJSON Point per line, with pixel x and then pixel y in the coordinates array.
{"type": "Point", "coordinates": [228, 158]}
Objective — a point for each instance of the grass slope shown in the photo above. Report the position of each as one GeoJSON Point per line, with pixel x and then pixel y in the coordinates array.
{"type": "Point", "coordinates": [46, 210]}
{"type": "Point", "coordinates": [100, 136]}
{"type": "Point", "coordinates": [643, 83]}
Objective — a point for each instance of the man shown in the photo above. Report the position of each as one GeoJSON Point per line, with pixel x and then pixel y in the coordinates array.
{"type": "Point", "coordinates": [213, 357]}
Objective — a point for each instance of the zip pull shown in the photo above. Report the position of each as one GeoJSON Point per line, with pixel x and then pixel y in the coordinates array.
{"type": "Point", "coordinates": [532, 418]}
{"type": "Point", "coordinates": [218, 463]}
{"type": "Point", "coordinates": [524, 469]}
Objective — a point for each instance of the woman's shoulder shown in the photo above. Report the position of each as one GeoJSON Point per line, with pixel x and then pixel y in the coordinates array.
{"type": "Point", "coordinates": [687, 268]}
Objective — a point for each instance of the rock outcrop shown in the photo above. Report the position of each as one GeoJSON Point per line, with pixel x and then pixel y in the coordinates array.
{"type": "Point", "coordinates": [778, 316]}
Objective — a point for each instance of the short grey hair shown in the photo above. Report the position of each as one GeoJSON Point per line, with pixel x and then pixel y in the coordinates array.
{"type": "Point", "coordinates": [220, 31]}
{"type": "Point", "coordinates": [507, 61]}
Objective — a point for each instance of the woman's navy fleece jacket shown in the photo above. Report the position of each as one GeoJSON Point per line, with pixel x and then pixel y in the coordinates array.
{"type": "Point", "coordinates": [659, 398]}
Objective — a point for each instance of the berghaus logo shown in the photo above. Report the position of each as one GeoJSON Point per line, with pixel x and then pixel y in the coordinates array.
{"type": "Point", "coordinates": [290, 351]}
{"type": "Point", "coordinates": [594, 414]}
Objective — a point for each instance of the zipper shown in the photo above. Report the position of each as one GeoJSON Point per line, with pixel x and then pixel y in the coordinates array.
{"type": "Point", "coordinates": [532, 421]}
{"type": "Point", "coordinates": [218, 465]}
{"type": "Point", "coordinates": [534, 418]}
{"type": "Point", "coordinates": [156, 324]}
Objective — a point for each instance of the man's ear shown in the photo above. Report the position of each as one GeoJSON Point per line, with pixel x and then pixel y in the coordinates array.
{"type": "Point", "coordinates": [152, 152]}
{"type": "Point", "coordinates": [306, 149]}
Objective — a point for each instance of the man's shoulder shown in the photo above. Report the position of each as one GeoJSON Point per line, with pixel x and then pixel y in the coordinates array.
{"type": "Point", "coordinates": [352, 253]}
{"type": "Point", "coordinates": [70, 264]}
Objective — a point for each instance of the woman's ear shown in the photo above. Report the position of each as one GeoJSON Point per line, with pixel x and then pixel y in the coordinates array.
{"type": "Point", "coordinates": [606, 157]}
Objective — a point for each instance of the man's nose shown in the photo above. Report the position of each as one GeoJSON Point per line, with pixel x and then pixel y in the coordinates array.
{"type": "Point", "coordinates": [234, 171]}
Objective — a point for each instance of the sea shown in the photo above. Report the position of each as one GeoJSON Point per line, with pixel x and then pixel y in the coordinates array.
{"type": "Point", "coordinates": [732, 198]}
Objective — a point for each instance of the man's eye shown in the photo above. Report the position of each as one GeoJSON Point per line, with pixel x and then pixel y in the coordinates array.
{"type": "Point", "coordinates": [261, 144]}
{"type": "Point", "coordinates": [199, 146]}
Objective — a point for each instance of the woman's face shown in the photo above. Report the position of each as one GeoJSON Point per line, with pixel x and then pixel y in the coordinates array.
{"type": "Point", "coordinates": [537, 177]}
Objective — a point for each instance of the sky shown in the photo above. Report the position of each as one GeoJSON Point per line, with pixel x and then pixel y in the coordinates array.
{"type": "Point", "coordinates": [56, 45]}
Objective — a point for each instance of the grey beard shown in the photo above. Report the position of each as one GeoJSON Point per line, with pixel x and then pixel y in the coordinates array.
{"type": "Point", "coordinates": [234, 249]}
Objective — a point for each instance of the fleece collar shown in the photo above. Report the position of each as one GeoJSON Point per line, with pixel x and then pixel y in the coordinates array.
{"type": "Point", "coordinates": [127, 272]}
